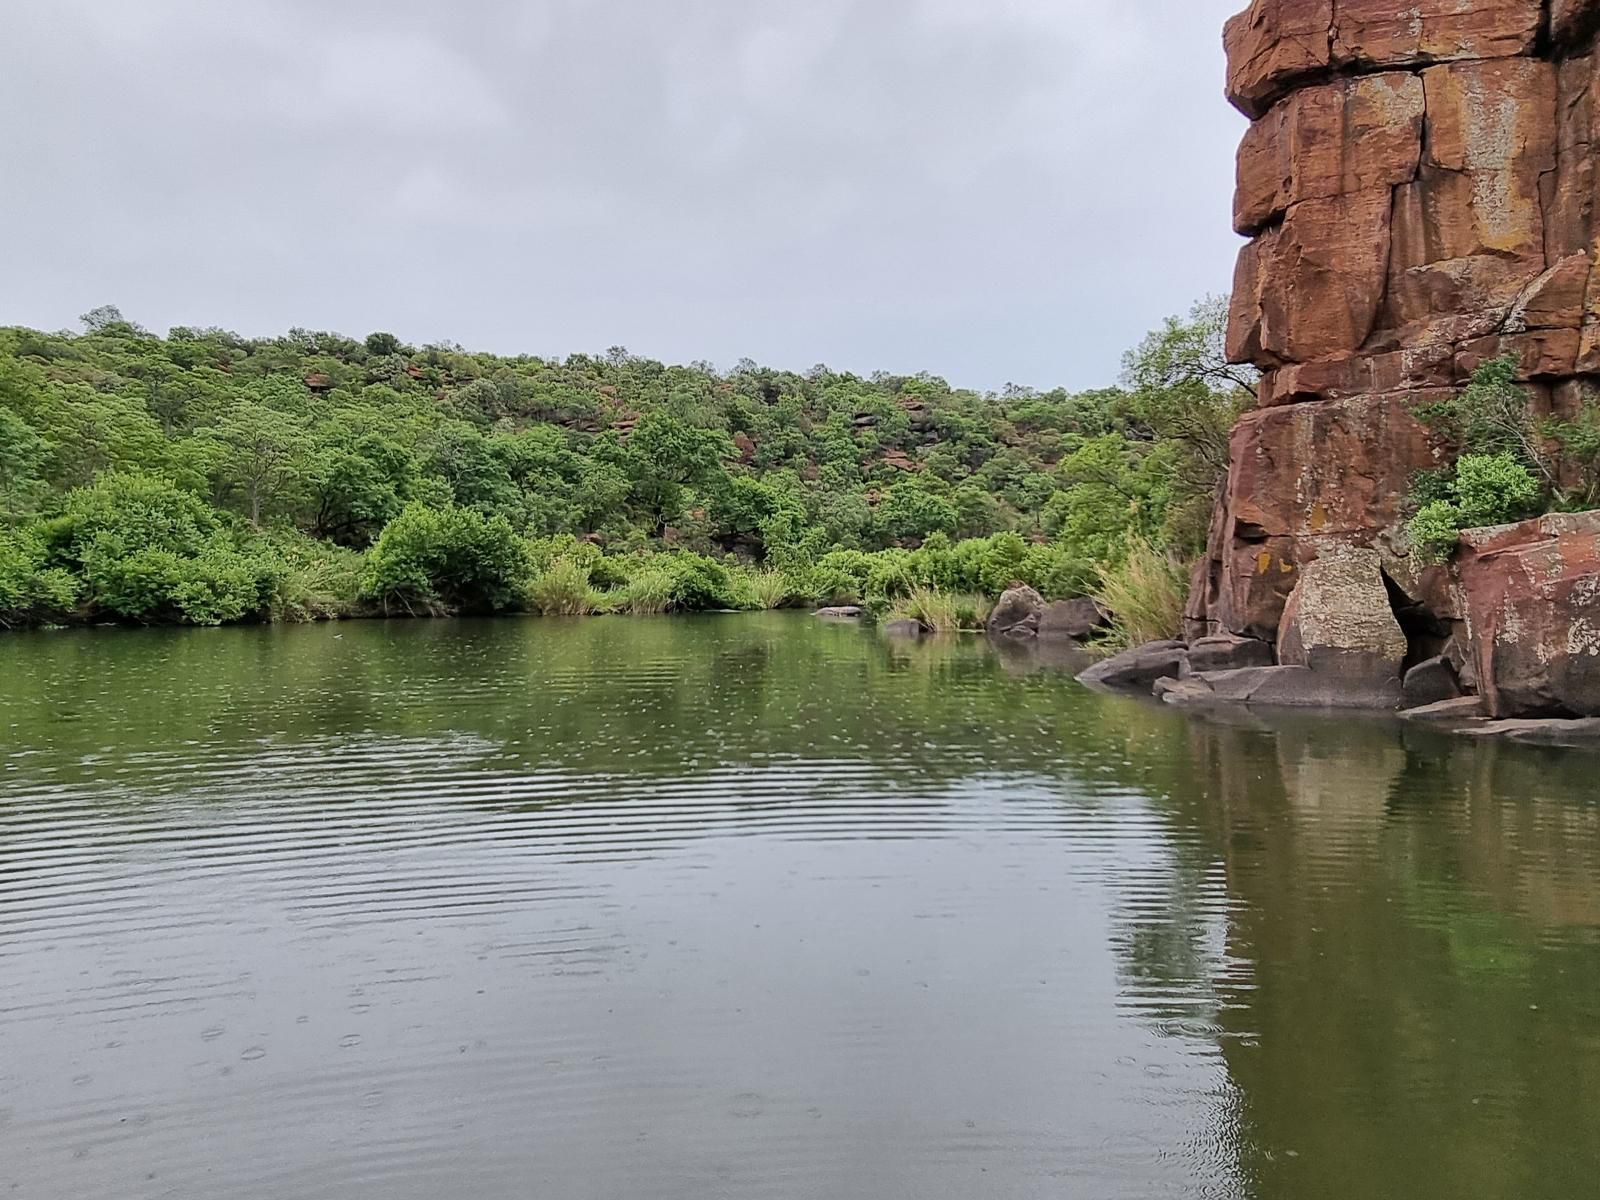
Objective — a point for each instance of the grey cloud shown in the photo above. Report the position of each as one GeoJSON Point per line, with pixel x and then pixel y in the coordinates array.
{"type": "Point", "coordinates": [995, 190]}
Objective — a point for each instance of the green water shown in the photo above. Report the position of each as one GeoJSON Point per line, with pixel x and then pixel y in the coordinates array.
{"type": "Point", "coordinates": [764, 906]}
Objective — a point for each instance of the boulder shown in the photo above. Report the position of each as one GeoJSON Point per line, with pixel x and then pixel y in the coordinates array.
{"type": "Point", "coordinates": [1138, 669]}
{"type": "Point", "coordinates": [1017, 613]}
{"type": "Point", "coordinates": [1079, 619]}
{"type": "Point", "coordinates": [1532, 600]}
{"type": "Point", "coordinates": [1339, 623]}
{"type": "Point", "coordinates": [1225, 652]}
{"type": "Point", "coordinates": [839, 611]}
{"type": "Point", "coordinates": [1430, 682]}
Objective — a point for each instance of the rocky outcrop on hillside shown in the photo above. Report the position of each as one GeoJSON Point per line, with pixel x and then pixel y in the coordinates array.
{"type": "Point", "coordinates": [1420, 186]}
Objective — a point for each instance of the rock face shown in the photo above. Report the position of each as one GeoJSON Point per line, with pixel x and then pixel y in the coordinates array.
{"type": "Point", "coordinates": [1532, 600]}
{"type": "Point", "coordinates": [1420, 185]}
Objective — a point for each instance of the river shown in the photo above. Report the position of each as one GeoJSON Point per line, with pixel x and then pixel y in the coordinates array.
{"type": "Point", "coordinates": [750, 906]}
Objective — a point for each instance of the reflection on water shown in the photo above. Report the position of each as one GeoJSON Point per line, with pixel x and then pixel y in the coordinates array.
{"type": "Point", "coordinates": [764, 906]}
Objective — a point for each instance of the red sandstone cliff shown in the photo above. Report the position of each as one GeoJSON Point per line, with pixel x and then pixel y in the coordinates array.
{"type": "Point", "coordinates": [1420, 185]}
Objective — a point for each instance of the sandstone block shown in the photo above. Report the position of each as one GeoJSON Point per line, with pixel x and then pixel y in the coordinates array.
{"type": "Point", "coordinates": [1339, 622]}
{"type": "Point", "coordinates": [1532, 597]}
{"type": "Point", "coordinates": [1350, 135]}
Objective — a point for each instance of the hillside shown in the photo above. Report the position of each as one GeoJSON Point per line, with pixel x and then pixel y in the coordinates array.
{"type": "Point", "coordinates": [143, 476]}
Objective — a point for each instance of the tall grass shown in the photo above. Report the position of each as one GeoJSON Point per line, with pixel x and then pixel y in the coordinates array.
{"type": "Point", "coordinates": [770, 589]}
{"type": "Point", "coordinates": [563, 591]}
{"type": "Point", "coordinates": [1145, 595]}
{"type": "Point", "coordinates": [942, 612]}
{"type": "Point", "coordinates": [647, 593]}
{"type": "Point", "coordinates": [318, 582]}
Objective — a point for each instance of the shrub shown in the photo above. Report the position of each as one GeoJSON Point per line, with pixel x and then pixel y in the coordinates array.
{"type": "Point", "coordinates": [773, 589]}
{"type": "Point", "coordinates": [1491, 489]}
{"type": "Point", "coordinates": [1484, 489]}
{"type": "Point", "coordinates": [436, 560]}
{"type": "Point", "coordinates": [149, 551]}
{"type": "Point", "coordinates": [1145, 594]}
{"type": "Point", "coordinates": [1434, 531]}
{"type": "Point", "coordinates": [31, 593]}
{"type": "Point", "coordinates": [942, 612]}
{"type": "Point", "coordinates": [698, 583]}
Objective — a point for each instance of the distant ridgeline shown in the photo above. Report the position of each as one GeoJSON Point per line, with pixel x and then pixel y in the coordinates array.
{"type": "Point", "coordinates": [208, 477]}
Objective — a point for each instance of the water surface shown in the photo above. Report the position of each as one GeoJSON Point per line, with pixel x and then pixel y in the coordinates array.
{"type": "Point", "coordinates": [763, 906]}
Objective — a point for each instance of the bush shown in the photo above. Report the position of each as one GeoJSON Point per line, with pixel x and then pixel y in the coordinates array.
{"type": "Point", "coordinates": [149, 551]}
{"type": "Point", "coordinates": [772, 589]}
{"type": "Point", "coordinates": [1145, 594]}
{"type": "Point", "coordinates": [698, 583]}
{"type": "Point", "coordinates": [31, 593]}
{"type": "Point", "coordinates": [1492, 489]}
{"type": "Point", "coordinates": [1434, 531]}
{"type": "Point", "coordinates": [439, 560]}
{"type": "Point", "coordinates": [1484, 489]}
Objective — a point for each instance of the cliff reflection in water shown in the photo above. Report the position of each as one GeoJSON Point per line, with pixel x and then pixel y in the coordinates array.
{"type": "Point", "coordinates": [1409, 995]}
{"type": "Point", "coordinates": [767, 906]}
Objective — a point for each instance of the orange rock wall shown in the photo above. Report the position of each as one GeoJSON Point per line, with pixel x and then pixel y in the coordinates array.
{"type": "Point", "coordinates": [1419, 185]}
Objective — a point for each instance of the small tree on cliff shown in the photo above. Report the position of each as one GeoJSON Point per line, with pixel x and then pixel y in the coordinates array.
{"type": "Point", "coordinates": [1188, 396]}
{"type": "Point", "coordinates": [1509, 464]}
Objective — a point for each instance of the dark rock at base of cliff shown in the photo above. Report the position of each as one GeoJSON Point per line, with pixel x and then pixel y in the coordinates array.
{"type": "Point", "coordinates": [1461, 710]}
{"type": "Point", "coordinates": [1079, 619]}
{"type": "Point", "coordinates": [1430, 682]}
{"type": "Point", "coordinates": [1224, 652]}
{"type": "Point", "coordinates": [1138, 669]}
{"type": "Point", "coordinates": [905, 629]}
{"type": "Point", "coordinates": [1541, 732]}
{"type": "Point", "coordinates": [1281, 687]}
{"type": "Point", "coordinates": [1017, 613]}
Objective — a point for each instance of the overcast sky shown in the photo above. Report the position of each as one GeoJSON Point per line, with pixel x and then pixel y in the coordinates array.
{"type": "Point", "coordinates": [993, 190]}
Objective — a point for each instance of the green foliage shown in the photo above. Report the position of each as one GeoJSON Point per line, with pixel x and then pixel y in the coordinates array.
{"type": "Point", "coordinates": [562, 590]}
{"type": "Point", "coordinates": [1509, 466]}
{"type": "Point", "coordinates": [942, 612]}
{"type": "Point", "coordinates": [31, 592]}
{"type": "Point", "coordinates": [317, 581]}
{"type": "Point", "coordinates": [647, 592]}
{"type": "Point", "coordinates": [148, 551]}
{"type": "Point", "coordinates": [1146, 593]}
{"type": "Point", "coordinates": [311, 475]}
{"type": "Point", "coordinates": [1483, 489]}
{"type": "Point", "coordinates": [450, 559]}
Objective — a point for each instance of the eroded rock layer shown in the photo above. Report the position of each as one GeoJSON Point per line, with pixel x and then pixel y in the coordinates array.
{"type": "Point", "coordinates": [1419, 185]}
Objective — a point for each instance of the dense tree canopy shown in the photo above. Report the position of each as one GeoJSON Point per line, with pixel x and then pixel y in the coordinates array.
{"type": "Point", "coordinates": [202, 476]}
